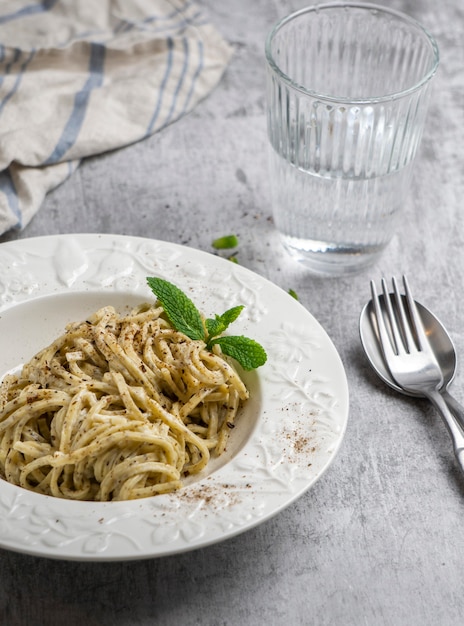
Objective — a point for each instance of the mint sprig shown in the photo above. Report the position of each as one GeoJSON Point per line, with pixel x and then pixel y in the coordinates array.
{"type": "Point", "coordinates": [185, 318]}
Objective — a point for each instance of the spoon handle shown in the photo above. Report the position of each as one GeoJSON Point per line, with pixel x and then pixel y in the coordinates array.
{"type": "Point", "coordinates": [455, 407]}
{"type": "Point", "coordinates": [457, 435]}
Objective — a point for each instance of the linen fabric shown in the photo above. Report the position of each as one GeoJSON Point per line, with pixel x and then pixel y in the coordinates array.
{"type": "Point", "coordinates": [81, 77]}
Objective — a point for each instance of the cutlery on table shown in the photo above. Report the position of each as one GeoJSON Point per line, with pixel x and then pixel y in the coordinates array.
{"type": "Point", "coordinates": [440, 342]}
{"type": "Point", "coordinates": [412, 352]}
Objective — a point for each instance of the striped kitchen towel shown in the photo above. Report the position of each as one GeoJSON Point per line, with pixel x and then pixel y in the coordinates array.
{"type": "Point", "coordinates": [80, 77]}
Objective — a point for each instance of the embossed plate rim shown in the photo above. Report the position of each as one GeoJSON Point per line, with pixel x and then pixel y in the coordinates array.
{"type": "Point", "coordinates": [303, 405]}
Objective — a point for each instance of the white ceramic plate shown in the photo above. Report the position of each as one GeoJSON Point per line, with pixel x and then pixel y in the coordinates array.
{"type": "Point", "coordinates": [286, 436]}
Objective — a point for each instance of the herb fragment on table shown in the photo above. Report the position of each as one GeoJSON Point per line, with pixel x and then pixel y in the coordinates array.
{"type": "Point", "coordinates": [293, 294]}
{"type": "Point", "coordinates": [185, 318]}
{"type": "Point", "coordinates": [226, 242]}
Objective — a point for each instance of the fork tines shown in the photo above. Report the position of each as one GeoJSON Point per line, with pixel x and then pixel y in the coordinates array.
{"type": "Point", "coordinates": [401, 326]}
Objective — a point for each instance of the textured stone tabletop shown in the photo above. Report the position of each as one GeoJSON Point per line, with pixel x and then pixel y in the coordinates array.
{"type": "Point", "coordinates": [379, 539]}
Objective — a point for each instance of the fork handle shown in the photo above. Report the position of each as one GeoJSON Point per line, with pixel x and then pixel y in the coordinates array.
{"type": "Point", "coordinates": [457, 435]}
{"type": "Point", "coordinates": [455, 407]}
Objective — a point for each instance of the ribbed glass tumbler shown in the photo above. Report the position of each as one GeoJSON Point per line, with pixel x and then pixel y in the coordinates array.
{"type": "Point", "coordinates": [348, 87]}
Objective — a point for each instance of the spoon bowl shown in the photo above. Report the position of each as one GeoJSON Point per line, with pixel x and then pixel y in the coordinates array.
{"type": "Point", "coordinates": [437, 334]}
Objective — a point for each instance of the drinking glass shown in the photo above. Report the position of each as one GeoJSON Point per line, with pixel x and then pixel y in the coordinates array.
{"type": "Point", "coordinates": [348, 86]}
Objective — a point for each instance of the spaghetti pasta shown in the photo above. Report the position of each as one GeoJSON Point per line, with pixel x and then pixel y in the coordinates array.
{"type": "Point", "coordinates": [117, 408]}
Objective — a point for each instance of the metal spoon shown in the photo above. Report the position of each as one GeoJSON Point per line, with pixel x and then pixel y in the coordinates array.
{"type": "Point", "coordinates": [441, 343]}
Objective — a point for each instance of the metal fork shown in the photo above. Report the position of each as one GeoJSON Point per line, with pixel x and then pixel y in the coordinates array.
{"type": "Point", "coordinates": [409, 355]}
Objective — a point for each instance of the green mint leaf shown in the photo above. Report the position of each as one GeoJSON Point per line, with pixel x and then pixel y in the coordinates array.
{"type": "Point", "coordinates": [247, 352]}
{"type": "Point", "coordinates": [293, 293]}
{"type": "Point", "coordinates": [231, 315]}
{"type": "Point", "coordinates": [224, 243]}
{"type": "Point", "coordinates": [180, 310]}
{"type": "Point", "coordinates": [219, 324]}
{"type": "Point", "coordinates": [214, 326]}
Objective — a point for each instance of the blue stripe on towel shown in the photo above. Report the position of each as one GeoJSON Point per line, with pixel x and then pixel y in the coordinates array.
{"type": "Point", "coordinates": [181, 21]}
{"type": "Point", "coordinates": [154, 118]}
{"type": "Point", "coordinates": [125, 25]}
{"type": "Point", "coordinates": [178, 26]}
{"type": "Point", "coordinates": [32, 9]}
{"type": "Point", "coordinates": [10, 63]}
{"type": "Point", "coordinates": [195, 76]}
{"type": "Point", "coordinates": [19, 76]}
{"type": "Point", "coordinates": [7, 187]}
{"type": "Point", "coordinates": [179, 84]}
{"type": "Point", "coordinates": [74, 123]}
